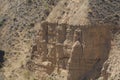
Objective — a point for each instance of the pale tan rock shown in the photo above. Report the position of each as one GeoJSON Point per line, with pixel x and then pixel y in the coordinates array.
{"type": "Point", "coordinates": [52, 54]}
{"type": "Point", "coordinates": [74, 63]}
{"type": "Point", "coordinates": [60, 55]}
{"type": "Point", "coordinates": [44, 50]}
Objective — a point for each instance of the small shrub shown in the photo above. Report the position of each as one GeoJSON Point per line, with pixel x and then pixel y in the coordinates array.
{"type": "Point", "coordinates": [29, 1]}
{"type": "Point", "coordinates": [2, 22]}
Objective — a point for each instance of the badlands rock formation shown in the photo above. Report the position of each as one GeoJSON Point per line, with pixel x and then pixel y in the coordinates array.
{"type": "Point", "coordinates": [78, 50]}
{"type": "Point", "coordinates": [79, 40]}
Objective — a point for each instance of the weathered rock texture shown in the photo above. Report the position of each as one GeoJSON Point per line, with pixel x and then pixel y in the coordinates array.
{"type": "Point", "coordinates": [70, 37]}
{"type": "Point", "coordinates": [17, 31]}
{"type": "Point", "coordinates": [83, 12]}
{"type": "Point", "coordinates": [83, 58]}
{"type": "Point", "coordinates": [80, 50]}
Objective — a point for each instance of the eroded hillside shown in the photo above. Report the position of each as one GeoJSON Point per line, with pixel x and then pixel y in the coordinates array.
{"type": "Point", "coordinates": [85, 32]}
{"type": "Point", "coordinates": [69, 16]}
{"type": "Point", "coordinates": [17, 31]}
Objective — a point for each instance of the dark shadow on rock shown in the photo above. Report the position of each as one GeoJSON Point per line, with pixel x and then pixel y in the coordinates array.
{"type": "Point", "coordinates": [2, 53]}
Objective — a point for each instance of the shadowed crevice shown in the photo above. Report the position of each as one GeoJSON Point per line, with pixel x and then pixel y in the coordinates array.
{"type": "Point", "coordinates": [2, 53]}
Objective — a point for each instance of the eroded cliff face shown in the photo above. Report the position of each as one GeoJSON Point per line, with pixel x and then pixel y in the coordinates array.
{"type": "Point", "coordinates": [90, 56]}
{"type": "Point", "coordinates": [66, 52]}
{"type": "Point", "coordinates": [67, 42]}
{"type": "Point", "coordinates": [111, 69]}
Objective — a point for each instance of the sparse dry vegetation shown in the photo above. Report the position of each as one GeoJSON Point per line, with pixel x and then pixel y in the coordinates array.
{"type": "Point", "coordinates": [38, 37]}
